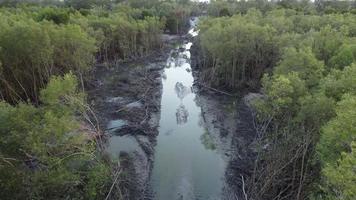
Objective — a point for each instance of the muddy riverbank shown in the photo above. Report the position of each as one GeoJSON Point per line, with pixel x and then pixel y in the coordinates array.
{"type": "Point", "coordinates": [229, 122]}
{"type": "Point", "coordinates": [126, 98]}
{"type": "Point", "coordinates": [229, 119]}
{"type": "Point", "coordinates": [217, 127]}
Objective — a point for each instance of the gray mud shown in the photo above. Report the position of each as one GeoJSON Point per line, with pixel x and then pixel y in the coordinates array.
{"type": "Point", "coordinates": [126, 98]}
{"type": "Point", "coordinates": [229, 118]}
{"type": "Point", "coordinates": [230, 124]}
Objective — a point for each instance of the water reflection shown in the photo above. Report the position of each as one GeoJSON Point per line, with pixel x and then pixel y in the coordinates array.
{"type": "Point", "coordinates": [207, 141]}
{"type": "Point", "coordinates": [193, 32]}
{"type": "Point", "coordinates": [181, 90]}
{"type": "Point", "coordinates": [115, 125]}
{"type": "Point", "coordinates": [119, 144]}
{"type": "Point", "coordinates": [186, 166]}
{"type": "Point", "coordinates": [180, 57]}
{"type": "Point", "coordinates": [182, 115]}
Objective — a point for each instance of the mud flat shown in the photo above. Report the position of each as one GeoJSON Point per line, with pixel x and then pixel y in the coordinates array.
{"type": "Point", "coordinates": [126, 98]}
{"type": "Point", "coordinates": [228, 118]}
{"type": "Point", "coordinates": [174, 138]}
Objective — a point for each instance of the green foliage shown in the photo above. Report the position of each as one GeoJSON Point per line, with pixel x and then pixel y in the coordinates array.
{"type": "Point", "coordinates": [48, 156]}
{"type": "Point", "coordinates": [283, 93]}
{"type": "Point", "coordinates": [58, 90]}
{"type": "Point", "coordinates": [279, 20]}
{"type": "Point", "coordinates": [338, 134]}
{"type": "Point", "coordinates": [284, 37]}
{"type": "Point", "coordinates": [176, 17]}
{"type": "Point", "coordinates": [229, 50]}
{"type": "Point", "coordinates": [345, 56]}
{"type": "Point", "coordinates": [125, 37]}
{"type": "Point", "coordinates": [308, 101]}
{"type": "Point", "coordinates": [207, 141]}
{"type": "Point", "coordinates": [304, 63]}
{"type": "Point", "coordinates": [73, 49]}
{"type": "Point", "coordinates": [219, 9]}
{"type": "Point", "coordinates": [336, 150]}
{"type": "Point", "coordinates": [58, 16]}
{"type": "Point", "coordinates": [315, 111]}
{"type": "Point", "coordinates": [45, 152]}
{"type": "Point", "coordinates": [37, 43]}
{"type": "Point", "coordinates": [80, 4]}
{"type": "Point", "coordinates": [97, 177]}
{"type": "Point", "coordinates": [308, 88]}
{"type": "Point", "coordinates": [339, 82]}
{"type": "Point", "coordinates": [326, 43]}
{"type": "Point", "coordinates": [33, 51]}
{"type": "Point", "coordinates": [306, 50]}
{"type": "Point", "coordinates": [26, 55]}
{"type": "Point", "coordinates": [341, 178]}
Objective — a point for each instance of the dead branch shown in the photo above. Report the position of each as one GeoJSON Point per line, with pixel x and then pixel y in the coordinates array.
{"type": "Point", "coordinates": [117, 174]}
{"type": "Point", "coordinates": [243, 187]}
{"type": "Point", "coordinates": [7, 160]}
{"type": "Point", "coordinates": [216, 90]}
{"type": "Point", "coordinates": [142, 98]}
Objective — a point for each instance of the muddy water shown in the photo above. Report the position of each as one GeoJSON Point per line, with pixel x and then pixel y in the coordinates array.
{"type": "Point", "coordinates": [187, 165]}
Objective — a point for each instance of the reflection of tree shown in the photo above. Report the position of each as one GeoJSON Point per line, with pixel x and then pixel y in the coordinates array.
{"type": "Point", "coordinates": [207, 141]}
{"type": "Point", "coordinates": [179, 57]}
{"type": "Point", "coordinates": [182, 114]}
{"type": "Point", "coordinates": [181, 90]}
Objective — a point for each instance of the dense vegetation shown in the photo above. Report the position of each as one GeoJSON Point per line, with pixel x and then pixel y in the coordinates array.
{"type": "Point", "coordinates": [46, 151]}
{"type": "Point", "coordinates": [302, 58]}
{"type": "Point", "coordinates": [50, 144]}
{"type": "Point", "coordinates": [37, 43]}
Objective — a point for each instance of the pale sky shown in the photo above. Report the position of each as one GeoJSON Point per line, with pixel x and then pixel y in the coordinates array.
{"type": "Point", "coordinates": [201, 0]}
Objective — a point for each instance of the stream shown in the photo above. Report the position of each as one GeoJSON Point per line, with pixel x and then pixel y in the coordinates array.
{"type": "Point", "coordinates": [186, 164]}
{"type": "Point", "coordinates": [178, 141]}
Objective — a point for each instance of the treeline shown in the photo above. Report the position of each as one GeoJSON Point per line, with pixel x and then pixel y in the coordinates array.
{"type": "Point", "coordinates": [49, 139]}
{"type": "Point", "coordinates": [37, 43]}
{"type": "Point", "coordinates": [304, 64]}
{"type": "Point", "coordinates": [219, 8]}
{"type": "Point", "coordinates": [173, 12]}
{"type": "Point", "coordinates": [32, 51]}
{"type": "Point", "coordinates": [253, 42]}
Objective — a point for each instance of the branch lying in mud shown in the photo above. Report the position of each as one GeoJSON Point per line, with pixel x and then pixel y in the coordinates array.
{"type": "Point", "coordinates": [143, 97]}
{"type": "Point", "coordinates": [243, 187]}
{"type": "Point", "coordinates": [95, 125]}
{"type": "Point", "coordinates": [117, 175]}
{"type": "Point", "coordinates": [272, 178]}
{"type": "Point", "coordinates": [216, 90]}
{"type": "Point", "coordinates": [146, 116]}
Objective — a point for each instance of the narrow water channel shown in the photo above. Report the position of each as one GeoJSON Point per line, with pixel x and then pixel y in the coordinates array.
{"type": "Point", "coordinates": [186, 165]}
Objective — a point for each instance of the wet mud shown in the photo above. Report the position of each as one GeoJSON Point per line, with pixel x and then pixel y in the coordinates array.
{"type": "Point", "coordinates": [127, 101]}
{"type": "Point", "coordinates": [229, 120]}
